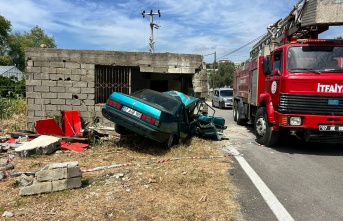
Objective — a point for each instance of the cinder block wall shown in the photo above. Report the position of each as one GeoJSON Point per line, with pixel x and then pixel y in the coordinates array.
{"type": "Point", "coordinates": [60, 79]}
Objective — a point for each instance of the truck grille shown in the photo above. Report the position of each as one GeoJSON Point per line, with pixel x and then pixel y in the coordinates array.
{"type": "Point", "coordinates": [310, 104]}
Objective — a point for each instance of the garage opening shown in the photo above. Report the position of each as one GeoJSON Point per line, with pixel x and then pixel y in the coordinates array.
{"type": "Point", "coordinates": [160, 85]}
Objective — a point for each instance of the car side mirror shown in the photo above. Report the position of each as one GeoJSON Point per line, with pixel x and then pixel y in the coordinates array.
{"type": "Point", "coordinates": [266, 65]}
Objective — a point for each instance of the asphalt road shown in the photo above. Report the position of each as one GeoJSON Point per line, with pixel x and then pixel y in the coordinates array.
{"type": "Point", "coordinates": [306, 179]}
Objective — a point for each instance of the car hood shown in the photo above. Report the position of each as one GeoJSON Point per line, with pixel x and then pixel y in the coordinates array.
{"type": "Point", "coordinates": [185, 99]}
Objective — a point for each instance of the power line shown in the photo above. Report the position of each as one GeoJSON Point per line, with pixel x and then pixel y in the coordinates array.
{"type": "Point", "coordinates": [256, 39]}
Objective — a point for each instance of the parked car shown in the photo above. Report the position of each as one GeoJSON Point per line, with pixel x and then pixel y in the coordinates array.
{"type": "Point", "coordinates": [165, 117]}
{"type": "Point", "coordinates": [222, 97]}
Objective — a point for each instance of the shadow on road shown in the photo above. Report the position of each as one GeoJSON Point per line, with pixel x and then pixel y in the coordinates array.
{"type": "Point", "coordinates": [292, 145]}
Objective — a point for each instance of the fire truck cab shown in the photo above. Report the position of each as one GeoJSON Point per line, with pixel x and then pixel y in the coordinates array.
{"type": "Point", "coordinates": [294, 84]}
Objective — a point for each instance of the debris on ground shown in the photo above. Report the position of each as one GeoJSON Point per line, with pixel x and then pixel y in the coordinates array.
{"type": "Point", "coordinates": [43, 144]}
{"type": "Point", "coordinates": [54, 177]}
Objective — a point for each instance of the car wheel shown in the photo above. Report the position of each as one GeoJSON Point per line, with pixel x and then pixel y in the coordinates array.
{"type": "Point", "coordinates": [213, 104]}
{"type": "Point", "coordinates": [168, 143]}
{"type": "Point", "coordinates": [120, 129]}
{"type": "Point", "coordinates": [220, 105]}
{"type": "Point", "coordinates": [264, 133]}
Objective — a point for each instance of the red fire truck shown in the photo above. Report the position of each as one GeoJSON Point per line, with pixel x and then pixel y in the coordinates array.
{"type": "Point", "coordinates": [293, 81]}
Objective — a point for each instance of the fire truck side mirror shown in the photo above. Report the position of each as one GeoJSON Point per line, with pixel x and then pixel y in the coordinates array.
{"type": "Point", "coordinates": [266, 65]}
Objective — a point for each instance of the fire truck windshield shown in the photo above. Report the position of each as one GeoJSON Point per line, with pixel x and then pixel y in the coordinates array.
{"type": "Point", "coordinates": [315, 59]}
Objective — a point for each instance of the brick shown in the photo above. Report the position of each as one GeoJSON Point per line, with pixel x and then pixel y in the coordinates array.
{"type": "Point", "coordinates": [90, 84]}
{"type": "Point", "coordinates": [73, 102]}
{"type": "Point", "coordinates": [63, 71]}
{"type": "Point", "coordinates": [74, 172]}
{"type": "Point", "coordinates": [52, 174]}
{"type": "Point", "coordinates": [34, 69]}
{"type": "Point", "coordinates": [36, 188]}
{"type": "Point", "coordinates": [58, 101]}
{"type": "Point", "coordinates": [73, 65]}
{"type": "Point", "coordinates": [76, 71]}
{"type": "Point", "coordinates": [29, 88]}
{"type": "Point", "coordinates": [89, 102]}
{"type": "Point", "coordinates": [40, 63]}
{"type": "Point", "coordinates": [70, 183]}
{"type": "Point", "coordinates": [73, 77]}
{"type": "Point", "coordinates": [65, 83]}
{"type": "Point", "coordinates": [34, 82]}
{"type": "Point", "coordinates": [58, 89]}
{"type": "Point", "coordinates": [33, 95]}
{"type": "Point", "coordinates": [65, 95]}
{"type": "Point", "coordinates": [29, 76]}
{"type": "Point", "coordinates": [41, 76]}
{"type": "Point", "coordinates": [48, 70]}
{"type": "Point", "coordinates": [51, 108]}
{"type": "Point", "coordinates": [56, 77]}
{"type": "Point", "coordinates": [41, 88]}
{"type": "Point", "coordinates": [49, 95]}
{"type": "Point", "coordinates": [87, 90]}
{"type": "Point", "coordinates": [56, 64]}
{"type": "Point", "coordinates": [90, 96]}
{"type": "Point", "coordinates": [74, 90]}
{"type": "Point", "coordinates": [62, 165]}
{"type": "Point", "coordinates": [40, 114]}
{"type": "Point", "coordinates": [49, 83]}
{"type": "Point", "coordinates": [42, 101]}
{"type": "Point", "coordinates": [88, 66]}
{"type": "Point", "coordinates": [88, 78]}
{"type": "Point", "coordinates": [80, 84]}
{"type": "Point", "coordinates": [30, 113]}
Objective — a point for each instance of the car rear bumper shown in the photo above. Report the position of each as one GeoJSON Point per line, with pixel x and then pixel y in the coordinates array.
{"type": "Point", "coordinates": [134, 126]}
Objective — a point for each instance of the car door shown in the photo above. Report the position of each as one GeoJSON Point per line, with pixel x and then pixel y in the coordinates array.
{"type": "Point", "coordinates": [184, 124]}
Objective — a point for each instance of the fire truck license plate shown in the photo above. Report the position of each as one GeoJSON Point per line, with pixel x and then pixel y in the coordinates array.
{"type": "Point", "coordinates": [331, 127]}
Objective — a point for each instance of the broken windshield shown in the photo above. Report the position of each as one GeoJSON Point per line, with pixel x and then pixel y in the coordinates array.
{"type": "Point", "coordinates": [315, 59]}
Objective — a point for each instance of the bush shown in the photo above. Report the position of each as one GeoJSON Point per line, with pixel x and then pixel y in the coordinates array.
{"type": "Point", "coordinates": [14, 104]}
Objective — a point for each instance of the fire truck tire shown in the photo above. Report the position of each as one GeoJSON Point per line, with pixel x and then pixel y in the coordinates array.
{"type": "Point", "coordinates": [264, 133]}
{"type": "Point", "coordinates": [234, 111]}
{"type": "Point", "coordinates": [240, 120]}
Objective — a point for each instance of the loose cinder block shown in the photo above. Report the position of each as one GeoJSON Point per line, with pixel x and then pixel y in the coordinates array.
{"type": "Point", "coordinates": [52, 174]}
{"type": "Point", "coordinates": [36, 188]}
{"type": "Point", "coordinates": [74, 172]}
{"type": "Point", "coordinates": [70, 183]}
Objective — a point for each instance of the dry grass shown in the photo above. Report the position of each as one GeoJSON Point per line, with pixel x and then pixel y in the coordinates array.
{"type": "Point", "coordinates": [188, 189]}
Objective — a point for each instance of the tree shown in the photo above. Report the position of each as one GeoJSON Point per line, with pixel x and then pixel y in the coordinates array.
{"type": "Point", "coordinates": [223, 76]}
{"type": "Point", "coordinates": [34, 38]}
{"type": "Point", "coordinates": [5, 28]}
{"type": "Point", "coordinates": [12, 45]}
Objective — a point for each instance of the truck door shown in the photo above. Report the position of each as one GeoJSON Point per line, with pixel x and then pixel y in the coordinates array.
{"type": "Point", "coordinates": [273, 80]}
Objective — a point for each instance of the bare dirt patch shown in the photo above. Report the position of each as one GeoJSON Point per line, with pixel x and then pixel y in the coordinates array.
{"type": "Point", "coordinates": [186, 189]}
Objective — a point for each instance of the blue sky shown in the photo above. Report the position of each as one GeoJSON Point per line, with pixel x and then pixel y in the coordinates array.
{"type": "Point", "coordinates": [186, 26]}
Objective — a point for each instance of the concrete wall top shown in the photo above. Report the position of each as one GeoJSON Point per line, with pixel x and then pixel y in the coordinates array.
{"type": "Point", "coordinates": [146, 61]}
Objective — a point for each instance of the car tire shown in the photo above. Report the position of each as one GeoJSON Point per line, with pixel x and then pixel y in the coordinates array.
{"type": "Point", "coordinates": [264, 133]}
{"type": "Point", "coordinates": [120, 129]}
{"type": "Point", "coordinates": [213, 104]}
{"type": "Point", "coordinates": [220, 105]}
{"type": "Point", "coordinates": [168, 143]}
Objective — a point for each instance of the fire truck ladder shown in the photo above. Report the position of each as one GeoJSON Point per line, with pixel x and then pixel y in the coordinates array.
{"type": "Point", "coordinates": [281, 31]}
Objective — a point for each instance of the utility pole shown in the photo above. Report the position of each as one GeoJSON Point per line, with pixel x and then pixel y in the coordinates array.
{"type": "Point", "coordinates": [214, 70]}
{"type": "Point", "coordinates": [152, 26]}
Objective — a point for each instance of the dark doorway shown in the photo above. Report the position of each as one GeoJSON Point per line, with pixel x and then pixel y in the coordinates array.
{"type": "Point", "coordinates": [159, 86]}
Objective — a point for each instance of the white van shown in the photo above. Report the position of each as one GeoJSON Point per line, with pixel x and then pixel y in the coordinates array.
{"type": "Point", "coordinates": [222, 97]}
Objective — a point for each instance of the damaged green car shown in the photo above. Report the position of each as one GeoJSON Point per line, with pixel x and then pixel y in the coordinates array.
{"type": "Point", "coordinates": [165, 117]}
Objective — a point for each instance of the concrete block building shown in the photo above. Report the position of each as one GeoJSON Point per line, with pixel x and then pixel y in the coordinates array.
{"type": "Point", "coordinates": [59, 79]}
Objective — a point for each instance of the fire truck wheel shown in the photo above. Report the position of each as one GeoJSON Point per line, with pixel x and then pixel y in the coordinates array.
{"type": "Point", "coordinates": [264, 133]}
{"type": "Point", "coordinates": [239, 118]}
{"type": "Point", "coordinates": [234, 111]}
